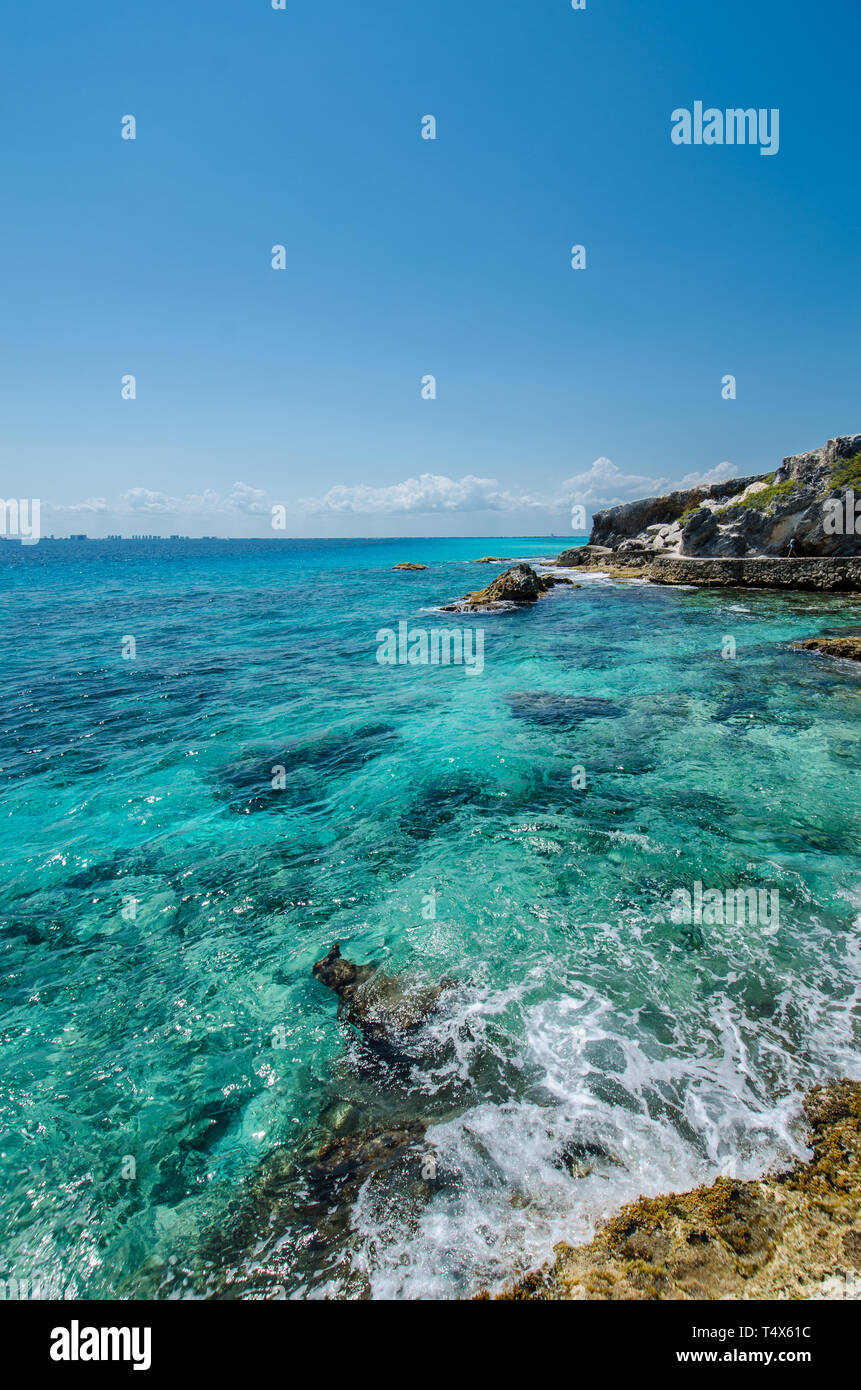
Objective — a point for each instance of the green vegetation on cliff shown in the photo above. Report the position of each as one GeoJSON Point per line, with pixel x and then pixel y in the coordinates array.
{"type": "Point", "coordinates": [847, 473]}
{"type": "Point", "coordinates": [774, 492]}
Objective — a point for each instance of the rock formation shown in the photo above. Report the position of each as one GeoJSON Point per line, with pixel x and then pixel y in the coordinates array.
{"type": "Point", "coordinates": [351, 1159]}
{"type": "Point", "coordinates": [519, 585]}
{"type": "Point", "coordinates": [848, 648]}
{"type": "Point", "coordinates": [791, 1235]}
{"type": "Point", "coordinates": [744, 517]}
{"type": "Point", "coordinates": [385, 1008]}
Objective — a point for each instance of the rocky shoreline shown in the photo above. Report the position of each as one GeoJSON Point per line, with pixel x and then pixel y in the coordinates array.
{"type": "Point", "coordinates": [795, 528]}
{"type": "Point", "coordinates": [789, 1235]}
{"type": "Point", "coordinates": [823, 573]}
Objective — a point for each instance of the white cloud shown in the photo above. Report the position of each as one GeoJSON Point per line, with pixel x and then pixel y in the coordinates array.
{"type": "Point", "coordinates": [92, 504]}
{"type": "Point", "coordinates": [602, 484]}
{"type": "Point", "coordinates": [241, 498]}
{"type": "Point", "coordinates": [719, 474]}
{"type": "Point", "coordinates": [605, 485]}
{"type": "Point", "coordinates": [431, 492]}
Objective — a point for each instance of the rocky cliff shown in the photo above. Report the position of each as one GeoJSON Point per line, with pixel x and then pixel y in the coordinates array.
{"type": "Point", "coordinates": [746, 516]}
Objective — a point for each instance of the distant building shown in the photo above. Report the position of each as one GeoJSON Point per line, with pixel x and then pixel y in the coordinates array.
{"type": "Point", "coordinates": [77, 538]}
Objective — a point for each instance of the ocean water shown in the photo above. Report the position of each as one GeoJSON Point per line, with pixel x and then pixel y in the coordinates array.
{"type": "Point", "coordinates": [166, 1054]}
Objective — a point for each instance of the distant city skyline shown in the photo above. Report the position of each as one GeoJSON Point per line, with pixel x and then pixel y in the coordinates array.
{"type": "Point", "coordinates": [429, 361]}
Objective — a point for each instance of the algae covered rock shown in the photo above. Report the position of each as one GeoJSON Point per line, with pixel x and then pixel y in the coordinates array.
{"type": "Point", "coordinates": [789, 1235]}
{"type": "Point", "coordinates": [519, 586]}
{"type": "Point", "coordinates": [385, 1008]}
{"type": "Point", "coordinates": [848, 648]}
{"type": "Point", "coordinates": [354, 1157]}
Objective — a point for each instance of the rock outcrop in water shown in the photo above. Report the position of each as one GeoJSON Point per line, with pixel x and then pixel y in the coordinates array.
{"type": "Point", "coordinates": [791, 1235]}
{"type": "Point", "coordinates": [519, 586]}
{"type": "Point", "coordinates": [744, 517]}
{"type": "Point", "coordinates": [847, 648]}
{"type": "Point", "coordinates": [385, 1008]}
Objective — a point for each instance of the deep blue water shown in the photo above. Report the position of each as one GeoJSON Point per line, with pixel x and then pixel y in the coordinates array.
{"type": "Point", "coordinates": [190, 1037]}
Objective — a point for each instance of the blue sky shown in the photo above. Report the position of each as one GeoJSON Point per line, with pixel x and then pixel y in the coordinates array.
{"type": "Point", "coordinates": [408, 257]}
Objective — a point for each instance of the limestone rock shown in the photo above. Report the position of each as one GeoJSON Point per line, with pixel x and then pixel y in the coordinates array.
{"type": "Point", "coordinates": [785, 1236]}
{"type": "Point", "coordinates": [519, 585]}
{"type": "Point", "coordinates": [752, 516]}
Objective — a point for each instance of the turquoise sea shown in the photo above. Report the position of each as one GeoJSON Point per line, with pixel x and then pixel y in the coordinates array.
{"type": "Point", "coordinates": [165, 1049]}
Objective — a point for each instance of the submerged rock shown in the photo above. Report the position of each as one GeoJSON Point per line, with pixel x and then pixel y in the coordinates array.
{"type": "Point", "coordinates": [407, 565]}
{"type": "Point", "coordinates": [250, 782]}
{"type": "Point", "coordinates": [341, 1116]}
{"type": "Point", "coordinates": [787, 1236]}
{"type": "Point", "coordinates": [492, 560]}
{"type": "Point", "coordinates": [579, 1157]}
{"type": "Point", "coordinates": [384, 1007]}
{"type": "Point", "coordinates": [291, 1224]}
{"type": "Point", "coordinates": [352, 1158]}
{"type": "Point", "coordinates": [560, 711]}
{"type": "Point", "coordinates": [849, 648]}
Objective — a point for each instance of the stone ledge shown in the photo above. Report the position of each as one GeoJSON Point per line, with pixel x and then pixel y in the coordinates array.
{"type": "Point", "coordinates": [839, 574]}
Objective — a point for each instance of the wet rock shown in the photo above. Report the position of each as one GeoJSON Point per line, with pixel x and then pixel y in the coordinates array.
{"type": "Point", "coordinates": [492, 560]}
{"type": "Point", "coordinates": [352, 1158]}
{"type": "Point", "coordinates": [781, 1237]}
{"type": "Point", "coordinates": [291, 1226]}
{"type": "Point", "coordinates": [341, 1117]}
{"type": "Point", "coordinates": [385, 1008]}
{"type": "Point", "coordinates": [587, 556]}
{"type": "Point", "coordinates": [407, 565]}
{"type": "Point", "coordinates": [520, 585]}
{"type": "Point", "coordinates": [578, 1157]}
{"type": "Point", "coordinates": [848, 648]}
{"type": "Point", "coordinates": [517, 585]}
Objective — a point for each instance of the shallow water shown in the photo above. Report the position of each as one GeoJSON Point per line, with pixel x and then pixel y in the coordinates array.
{"type": "Point", "coordinates": [191, 1038]}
